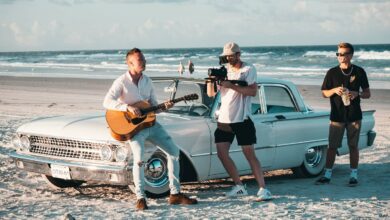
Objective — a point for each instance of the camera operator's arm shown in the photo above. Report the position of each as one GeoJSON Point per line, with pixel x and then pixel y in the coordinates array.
{"type": "Point", "coordinates": [249, 90]}
{"type": "Point", "coordinates": [211, 90]}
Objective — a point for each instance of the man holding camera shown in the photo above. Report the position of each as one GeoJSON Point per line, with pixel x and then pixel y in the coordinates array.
{"type": "Point", "coordinates": [234, 120]}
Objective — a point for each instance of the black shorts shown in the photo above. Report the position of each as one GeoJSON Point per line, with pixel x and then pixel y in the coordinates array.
{"type": "Point", "coordinates": [245, 132]}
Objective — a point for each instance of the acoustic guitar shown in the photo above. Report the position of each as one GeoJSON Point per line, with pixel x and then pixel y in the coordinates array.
{"type": "Point", "coordinates": [124, 125]}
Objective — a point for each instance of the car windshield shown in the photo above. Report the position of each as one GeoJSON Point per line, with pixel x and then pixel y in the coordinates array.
{"type": "Point", "coordinates": [193, 105]}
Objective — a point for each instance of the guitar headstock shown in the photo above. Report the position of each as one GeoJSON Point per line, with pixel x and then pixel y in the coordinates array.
{"type": "Point", "coordinates": [190, 97]}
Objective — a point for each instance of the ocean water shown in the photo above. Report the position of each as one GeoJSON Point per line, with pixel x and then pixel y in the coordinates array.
{"type": "Point", "coordinates": [301, 64]}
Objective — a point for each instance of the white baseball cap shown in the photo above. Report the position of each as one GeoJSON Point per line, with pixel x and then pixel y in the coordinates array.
{"type": "Point", "coordinates": [230, 48]}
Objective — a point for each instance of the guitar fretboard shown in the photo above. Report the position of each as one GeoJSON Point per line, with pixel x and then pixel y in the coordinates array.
{"type": "Point", "coordinates": [162, 105]}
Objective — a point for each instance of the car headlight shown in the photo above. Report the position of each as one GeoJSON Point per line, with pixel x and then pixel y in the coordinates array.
{"type": "Point", "coordinates": [25, 143]}
{"type": "Point", "coordinates": [16, 141]}
{"type": "Point", "coordinates": [106, 153]}
{"type": "Point", "coordinates": [121, 154]}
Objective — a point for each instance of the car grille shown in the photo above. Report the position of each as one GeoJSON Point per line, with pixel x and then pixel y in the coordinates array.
{"type": "Point", "coordinates": [66, 148]}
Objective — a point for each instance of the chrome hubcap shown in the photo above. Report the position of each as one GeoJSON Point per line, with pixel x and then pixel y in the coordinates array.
{"type": "Point", "coordinates": [156, 172]}
{"type": "Point", "coordinates": [313, 156]}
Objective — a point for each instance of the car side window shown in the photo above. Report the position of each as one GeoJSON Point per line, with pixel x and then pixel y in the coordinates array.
{"type": "Point", "coordinates": [278, 100]}
{"type": "Point", "coordinates": [163, 90]}
{"type": "Point", "coordinates": [196, 107]}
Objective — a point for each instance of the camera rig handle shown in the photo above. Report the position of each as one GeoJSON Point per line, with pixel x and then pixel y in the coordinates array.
{"type": "Point", "coordinates": [216, 82]}
{"type": "Point", "coordinates": [238, 82]}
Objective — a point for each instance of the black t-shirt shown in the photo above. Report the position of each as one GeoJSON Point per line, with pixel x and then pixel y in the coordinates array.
{"type": "Point", "coordinates": [354, 81]}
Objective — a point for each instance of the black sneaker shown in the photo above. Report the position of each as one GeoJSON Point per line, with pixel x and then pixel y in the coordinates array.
{"type": "Point", "coordinates": [352, 182]}
{"type": "Point", "coordinates": [323, 180]}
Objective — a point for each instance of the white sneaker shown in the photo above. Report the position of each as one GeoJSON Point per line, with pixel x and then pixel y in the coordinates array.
{"type": "Point", "coordinates": [237, 190]}
{"type": "Point", "coordinates": [263, 195]}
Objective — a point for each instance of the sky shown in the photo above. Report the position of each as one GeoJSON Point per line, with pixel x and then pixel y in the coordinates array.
{"type": "Point", "coordinates": [50, 25]}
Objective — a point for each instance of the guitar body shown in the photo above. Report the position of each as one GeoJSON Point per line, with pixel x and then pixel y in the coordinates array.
{"type": "Point", "coordinates": [124, 125]}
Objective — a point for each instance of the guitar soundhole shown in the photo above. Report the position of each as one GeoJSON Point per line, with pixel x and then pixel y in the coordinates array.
{"type": "Point", "coordinates": [136, 121]}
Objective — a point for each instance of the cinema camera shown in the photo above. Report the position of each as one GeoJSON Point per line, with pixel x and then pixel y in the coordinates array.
{"type": "Point", "coordinates": [217, 75]}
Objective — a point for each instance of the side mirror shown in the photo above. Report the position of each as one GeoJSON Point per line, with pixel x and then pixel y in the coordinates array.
{"type": "Point", "coordinates": [169, 89]}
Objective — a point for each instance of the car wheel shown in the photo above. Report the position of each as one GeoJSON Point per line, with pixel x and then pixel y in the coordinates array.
{"type": "Point", "coordinates": [156, 176]}
{"type": "Point", "coordinates": [313, 162]}
{"type": "Point", "coordinates": [57, 183]}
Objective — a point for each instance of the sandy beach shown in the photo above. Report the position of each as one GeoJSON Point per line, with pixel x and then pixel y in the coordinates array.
{"type": "Point", "coordinates": [25, 195]}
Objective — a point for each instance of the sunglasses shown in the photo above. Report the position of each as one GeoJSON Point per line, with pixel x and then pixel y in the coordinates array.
{"type": "Point", "coordinates": [342, 54]}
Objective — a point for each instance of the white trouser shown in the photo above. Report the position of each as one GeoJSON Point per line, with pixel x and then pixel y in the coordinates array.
{"type": "Point", "coordinates": [158, 136]}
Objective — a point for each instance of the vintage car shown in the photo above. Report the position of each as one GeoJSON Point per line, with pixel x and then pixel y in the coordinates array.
{"type": "Point", "coordinates": [72, 150]}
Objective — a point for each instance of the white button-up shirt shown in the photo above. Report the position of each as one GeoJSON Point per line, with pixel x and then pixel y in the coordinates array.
{"type": "Point", "coordinates": [125, 92]}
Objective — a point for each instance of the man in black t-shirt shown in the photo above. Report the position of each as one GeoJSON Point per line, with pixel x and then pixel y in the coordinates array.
{"type": "Point", "coordinates": [342, 85]}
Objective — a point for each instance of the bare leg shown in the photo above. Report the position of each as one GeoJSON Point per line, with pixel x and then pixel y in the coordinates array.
{"type": "Point", "coordinates": [227, 162]}
{"type": "Point", "coordinates": [250, 155]}
{"type": "Point", "coordinates": [330, 158]}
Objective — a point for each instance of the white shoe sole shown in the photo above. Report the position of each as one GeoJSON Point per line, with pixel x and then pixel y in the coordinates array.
{"type": "Point", "coordinates": [239, 195]}
{"type": "Point", "coordinates": [263, 200]}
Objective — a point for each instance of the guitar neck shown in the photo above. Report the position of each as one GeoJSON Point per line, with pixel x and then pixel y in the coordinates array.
{"type": "Point", "coordinates": [160, 106]}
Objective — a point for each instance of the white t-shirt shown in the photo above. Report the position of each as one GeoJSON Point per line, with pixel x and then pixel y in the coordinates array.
{"type": "Point", "coordinates": [236, 107]}
{"type": "Point", "coordinates": [124, 91]}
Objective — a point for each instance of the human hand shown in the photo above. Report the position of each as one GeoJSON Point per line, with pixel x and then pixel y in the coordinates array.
{"type": "Point", "coordinates": [338, 90]}
{"type": "Point", "coordinates": [134, 110]}
{"type": "Point", "coordinates": [353, 94]}
{"type": "Point", "coordinates": [168, 105]}
{"type": "Point", "coordinates": [211, 88]}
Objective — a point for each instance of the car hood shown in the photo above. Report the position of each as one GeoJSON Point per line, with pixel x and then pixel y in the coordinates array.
{"type": "Point", "coordinates": [85, 127]}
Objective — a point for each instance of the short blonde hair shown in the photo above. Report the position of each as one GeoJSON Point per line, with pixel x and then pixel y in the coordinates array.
{"type": "Point", "coordinates": [346, 45]}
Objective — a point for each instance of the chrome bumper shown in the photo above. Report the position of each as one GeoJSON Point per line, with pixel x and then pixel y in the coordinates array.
{"type": "Point", "coordinates": [102, 173]}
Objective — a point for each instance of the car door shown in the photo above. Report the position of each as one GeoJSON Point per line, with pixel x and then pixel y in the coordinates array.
{"type": "Point", "coordinates": [187, 121]}
{"type": "Point", "coordinates": [264, 147]}
{"type": "Point", "coordinates": [288, 124]}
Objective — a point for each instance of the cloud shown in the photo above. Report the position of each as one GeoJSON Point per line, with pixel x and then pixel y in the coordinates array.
{"type": "Point", "coordinates": [375, 14]}
{"type": "Point", "coordinates": [151, 28]}
{"type": "Point", "coordinates": [330, 26]}
{"type": "Point", "coordinates": [71, 2]}
{"type": "Point", "coordinates": [33, 35]}
{"type": "Point", "coordinates": [145, 1]}
{"type": "Point", "coordinates": [114, 29]}
{"type": "Point", "coordinates": [300, 6]}
{"type": "Point", "coordinates": [14, 28]}
{"type": "Point", "coordinates": [362, 1]}
{"type": "Point", "coordinates": [8, 2]}
{"type": "Point", "coordinates": [54, 25]}
{"type": "Point", "coordinates": [90, 24]}
{"type": "Point", "coordinates": [75, 2]}
{"type": "Point", "coordinates": [20, 35]}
